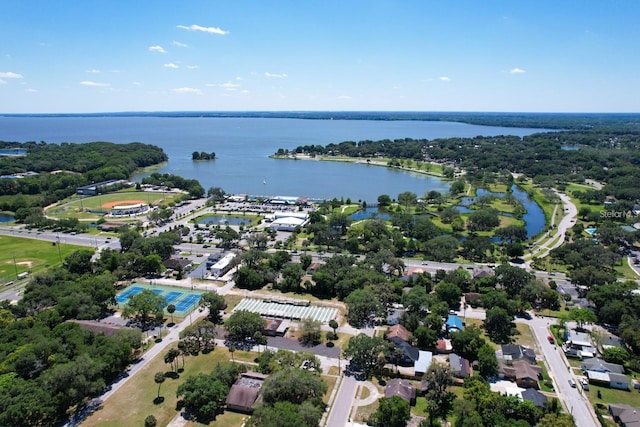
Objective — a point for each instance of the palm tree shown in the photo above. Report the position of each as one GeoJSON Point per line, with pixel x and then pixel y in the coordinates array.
{"type": "Point", "coordinates": [159, 379]}
{"type": "Point", "coordinates": [171, 308]}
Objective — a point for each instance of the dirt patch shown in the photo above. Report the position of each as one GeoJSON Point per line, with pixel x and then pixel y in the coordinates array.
{"type": "Point", "coordinates": [27, 263]}
{"type": "Point", "coordinates": [121, 202]}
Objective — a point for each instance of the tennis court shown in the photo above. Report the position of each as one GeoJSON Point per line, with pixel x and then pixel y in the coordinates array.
{"type": "Point", "coordinates": [184, 301]}
{"type": "Point", "coordinates": [124, 296]}
{"type": "Point", "coordinates": [187, 303]}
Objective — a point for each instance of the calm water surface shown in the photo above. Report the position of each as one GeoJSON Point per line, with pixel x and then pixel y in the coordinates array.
{"type": "Point", "coordinates": [242, 147]}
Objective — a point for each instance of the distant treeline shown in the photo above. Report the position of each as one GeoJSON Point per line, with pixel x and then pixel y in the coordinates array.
{"type": "Point", "coordinates": [576, 121]}
{"type": "Point", "coordinates": [607, 157]}
{"type": "Point", "coordinates": [75, 165]}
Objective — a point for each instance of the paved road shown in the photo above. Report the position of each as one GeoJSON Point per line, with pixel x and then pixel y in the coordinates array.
{"type": "Point", "coordinates": [572, 398]}
{"type": "Point", "coordinates": [341, 409]}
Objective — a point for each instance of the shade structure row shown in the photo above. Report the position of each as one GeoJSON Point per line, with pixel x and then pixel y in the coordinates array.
{"type": "Point", "coordinates": [286, 310]}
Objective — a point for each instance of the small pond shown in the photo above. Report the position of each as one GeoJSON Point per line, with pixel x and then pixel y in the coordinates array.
{"type": "Point", "coordinates": [534, 218]}
{"type": "Point", "coordinates": [371, 213]}
{"type": "Point", "coordinates": [6, 218]}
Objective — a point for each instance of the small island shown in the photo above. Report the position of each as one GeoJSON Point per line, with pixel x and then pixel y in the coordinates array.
{"type": "Point", "coordinates": [203, 156]}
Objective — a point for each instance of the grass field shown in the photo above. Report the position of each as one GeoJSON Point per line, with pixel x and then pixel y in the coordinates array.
{"type": "Point", "coordinates": [92, 208]}
{"type": "Point", "coordinates": [30, 255]}
{"type": "Point", "coordinates": [135, 401]}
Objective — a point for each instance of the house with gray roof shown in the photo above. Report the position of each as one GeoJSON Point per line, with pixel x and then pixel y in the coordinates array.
{"type": "Point", "coordinates": [625, 415]}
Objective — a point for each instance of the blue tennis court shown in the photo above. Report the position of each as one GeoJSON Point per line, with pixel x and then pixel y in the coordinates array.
{"type": "Point", "coordinates": [187, 302]}
{"type": "Point", "coordinates": [183, 301]}
{"type": "Point", "coordinates": [124, 296]}
{"type": "Point", "coordinates": [172, 296]}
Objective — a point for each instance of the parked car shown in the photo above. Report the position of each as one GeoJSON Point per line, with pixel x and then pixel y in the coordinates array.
{"type": "Point", "coordinates": [585, 384]}
{"type": "Point", "coordinates": [572, 383]}
{"type": "Point", "coordinates": [551, 340]}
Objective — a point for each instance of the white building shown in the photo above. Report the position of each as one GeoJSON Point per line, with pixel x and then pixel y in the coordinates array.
{"type": "Point", "coordinates": [135, 209]}
{"type": "Point", "coordinates": [221, 267]}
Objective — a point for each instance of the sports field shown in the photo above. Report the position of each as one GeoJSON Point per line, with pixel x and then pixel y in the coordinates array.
{"type": "Point", "coordinates": [20, 255]}
{"type": "Point", "coordinates": [89, 208]}
{"type": "Point", "coordinates": [184, 299]}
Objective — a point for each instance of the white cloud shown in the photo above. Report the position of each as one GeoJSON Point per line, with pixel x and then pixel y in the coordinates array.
{"type": "Point", "coordinates": [187, 90]}
{"type": "Point", "coordinates": [136, 84]}
{"type": "Point", "coordinates": [176, 43]}
{"type": "Point", "coordinates": [517, 71]}
{"type": "Point", "coordinates": [444, 79]}
{"type": "Point", "coordinates": [170, 65]}
{"type": "Point", "coordinates": [95, 84]}
{"type": "Point", "coordinates": [345, 97]}
{"type": "Point", "coordinates": [276, 76]}
{"type": "Point", "coordinates": [92, 71]}
{"type": "Point", "coordinates": [230, 86]}
{"type": "Point", "coordinates": [10, 75]}
{"type": "Point", "coordinates": [193, 67]}
{"type": "Point", "coordinates": [2, 82]}
{"type": "Point", "coordinates": [210, 30]}
{"type": "Point", "coordinates": [30, 90]}
{"type": "Point", "coordinates": [156, 48]}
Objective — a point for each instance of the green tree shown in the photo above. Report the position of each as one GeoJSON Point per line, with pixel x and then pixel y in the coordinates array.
{"type": "Point", "coordinates": [310, 332]}
{"type": "Point", "coordinates": [449, 293]}
{"type": "Point", "coordinates": [617, 355]}
{"type": "Point", "coordinates": [159, 378]}
{"type": "Point", "coordinates": [392, 412]}
{"type": "Point", "coordinates": [215, 303]}
{"type": "Point", "coordinates": [439, 397]}
{"type": "Point", "coordinates": [499, 325]}
{"type": "Point", "coordinates": [145, 304]}
{"type": "Point", "coordinates": [363, 306]}
{"type": "Point", "coordinates": [285, 414]}
{"type": "Point", "coordinates": [467, 342]}
{"type": "Point", "coordinates": [487, 361]}
{"type": "Point", "coordinates": [295, 386]}
{"type": "Point", "coordinates": [407, 199]}
{"type": "Point", "coordinates": [204, 396]}
{"type": "Point", "coordinates": [582, 316]}
{"type": "Point", "coordinates": [243, 324]}
{"type": "Point", "coordinates": [150, 421]}
{"type": "Point", "coordinates": [384, 200]}
{"type": "Point", "coordinates": [171, 308]}
{"type": "Point", "coordinates": [367, 354]}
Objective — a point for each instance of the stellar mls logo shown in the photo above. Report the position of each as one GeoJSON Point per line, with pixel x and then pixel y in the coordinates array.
{"type": "Point", "coordinates": [619, 214]}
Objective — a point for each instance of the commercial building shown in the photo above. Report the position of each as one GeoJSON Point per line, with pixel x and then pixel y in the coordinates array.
{"type": "Point", "coordinates": [223, 265]}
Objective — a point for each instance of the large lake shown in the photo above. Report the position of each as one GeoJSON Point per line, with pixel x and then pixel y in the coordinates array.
{"type": "Point", "coordinates": [242, 147]}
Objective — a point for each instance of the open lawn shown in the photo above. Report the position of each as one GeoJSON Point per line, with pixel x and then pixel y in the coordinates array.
{"type": "Point", "coordinates": [135, 401]}
{"type": "Point", "coordinates": [29, 255]}
{"type": "Point", "coordinates": [610, 395]}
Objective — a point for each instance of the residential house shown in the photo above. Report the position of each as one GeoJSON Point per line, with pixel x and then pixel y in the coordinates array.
{"type": "Point", "coordinates": [425, 358]}
{"type": "Point", "coordinates": [625, 415]}
{"type": "Point", "coordinates": [578, 344]}
{"type": "Point", "coordinates": [460, 367]}
{"type": "Point", "coordinates": [522, 373]}
{"type": "Point", "coordinates": [454, 324]}
{"type": "Point", "coordinates": [244, 394]}
{"type": "Point", "coordinates": [535, 397]}
{"type": "Point", "coordinates": [516, 352]}
{"type": "Point", "coordinates": [398, 331]}
{"type": "Point", "coordinates": [444, 346]}
{"type": "Point", "coordinates": [600, 365]}
{"type": "Point", "coordinates": [608, 379]}
{"type": "Point", "coordinates": [402, 389]}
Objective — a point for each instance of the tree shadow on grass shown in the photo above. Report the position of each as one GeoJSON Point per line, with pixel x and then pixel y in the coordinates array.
{"type": "Point", "coordinates": [158, 400]}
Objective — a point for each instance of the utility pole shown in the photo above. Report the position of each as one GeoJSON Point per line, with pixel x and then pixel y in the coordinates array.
{"type": "Point", "coordinates": [15, 266]}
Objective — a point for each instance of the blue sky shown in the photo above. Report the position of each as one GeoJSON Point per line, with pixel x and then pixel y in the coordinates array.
{"type": "Point", "coordinates": [415, 55]}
